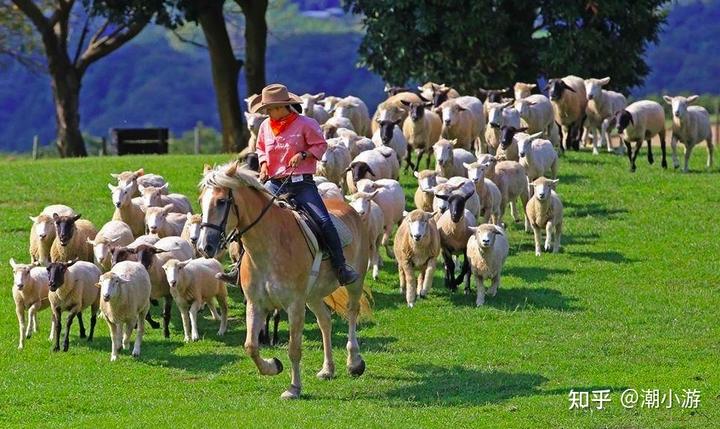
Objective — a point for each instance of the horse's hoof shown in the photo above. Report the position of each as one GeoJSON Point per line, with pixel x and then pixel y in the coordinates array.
{"type": "Point", "coordinates": [326, 374]}
{"type": "Point", "coordinates": [357, 370]}
{"type": "Point", "coordinates": [291, 393]}
{"type": "Point", "coordinates": [278, 365]}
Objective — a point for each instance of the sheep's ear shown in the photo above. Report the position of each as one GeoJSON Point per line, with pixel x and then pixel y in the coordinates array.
{"type": "Point", "coordinates": [508, 103]}
{"type": "Point", "coordinates": [165, 186]}
{"type": "Point", "coordinates": [522, 130]}
{"type": "Point", "coordinates": [466, 165]}
{"type": "Point", "coordinates": [34, 219]}
{"type": "Point", "coordinates": [532, 86]}
{"type": "Point", "coordinates": [566, 86]}
{"type": "Point", "coordinates": [350, 197]}
{"type": "Point", "coordinates": [206, 169]}
{"type": "Point", "coordinates": [405, 213]}
{"type": "Point", "coordinates": [371, 195]}
{"type": "Point", "coordinates": [188, 214]}
{"type": "Point", "coordinates": [372, 173]}
{"type": "Point", "coordinates": [247, 116]}
{"type": "Point", "coordinates": [553, 183]}
{"type": "Point", "coordinates": [416, 174]}
{"type": "Point", "coordinates": [132, 250]}
{"type": "Point", "coordinates": [454, 142]}
{"type": "Point", "coordinates": [115, 240]}
{"type": "Point", "coordinates": [111, 186]}
{"type": "Point", "coordinates": [71, 263]}
{"type": "Point", "coordinates": [667, 99]}
{"type": "Point", "coordinates": [473, 229]}
{"type": "Point", "coordinates": [114, 175]}
{"type": "Point", "coordinates": [420, 88]}
{"type": "Point", "coordinates": [140, 172]}
{"type": "Point", "coordinates": [319, 96]}
{"type": "Point", "coordinates": [98, 285]}
{"type": "Point", "coordinates": [604, 81]}
{"type": "Point", "coordinates": [92, 242]}
{"type": "Point", "coordinates": [141, 188]}
{"type": "Point", "coordinates": [692, 99]}
{"type": "Point", "coordinates": [433, 214]}
{"type": "Point", "coordinates": [499, 230]}
{"type": "Point", "coordinates": [166, 209]}
{"type": "Point", "coordinates": [13, 264]}
{"type": "Point", "coordinates": [535, 136]}
{"type": "Point", "coordinates": [182, 264]}
{"type": "Point", "coordinates": [77, 217]}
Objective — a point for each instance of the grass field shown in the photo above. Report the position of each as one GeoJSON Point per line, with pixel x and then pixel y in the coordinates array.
{"type": "Point", "coordinates": [631, 302]}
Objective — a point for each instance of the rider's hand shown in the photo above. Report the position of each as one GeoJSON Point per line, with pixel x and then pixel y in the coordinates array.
{"type": "Point", "coordinates": [263, 172]}
{"type": "Point", "coordinates": [295, 160]}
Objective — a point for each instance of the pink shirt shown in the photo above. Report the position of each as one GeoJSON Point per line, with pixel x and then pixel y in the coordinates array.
{"type": "Point", "coordinates": [303, 134]}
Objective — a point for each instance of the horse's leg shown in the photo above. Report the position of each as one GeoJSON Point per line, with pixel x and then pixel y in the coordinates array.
{"type": "Point", "coordinates": [296, 317]}
{"type": "Point", "coordinates": [254, 319]}
{"type": "Point", "coordinates": [355, 362]}
{"type": "Point", "coordinates": [322, 314]}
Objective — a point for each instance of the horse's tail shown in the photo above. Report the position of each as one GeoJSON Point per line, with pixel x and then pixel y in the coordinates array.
{"type": "Point", "coordinates": [338, 302]}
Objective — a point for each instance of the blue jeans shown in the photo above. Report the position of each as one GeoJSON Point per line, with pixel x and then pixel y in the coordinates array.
{"type": "Point", "coordinates": [307, 197]}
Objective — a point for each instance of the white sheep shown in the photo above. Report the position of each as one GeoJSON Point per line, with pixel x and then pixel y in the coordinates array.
{"type": "Point", "coordinates": [569, 101]}
{"type": "Point", "coordinates": [113, 233]}
{"type": "Point", "coordinates": [487, 191]}
{"type": "Point", "coordinates": [254, 120]}
{"type": "Point", "coordinates": [427, 180]}
{"type": "Point", "coordinates": [334, 124]}
{"type": "Point", "coordinates": [163, 222]}
{"type": "Point", "coordinates": [601, 110]}
{"type": "Point", "coordinates": [128, 209]}
{"type": "Point", "coordinates": [356, 110]}
{"type": "Point", "coordinates": [125, 301]}
{"type": "Point", "coordinates": [537, 156]}
{"type": "Point", "coordinates": [464, 121]}
{"type": "Point", "coordinates": [391, 199]}
{"type": "Point", "coordinates": [42, 232]}
{"type": "Point", "coordinates": [511, 179]}
{"type": "Point", "coordinates": [537, 113]}
{"type": "Point", "coordinates": [72, 288]}
{"type": "Point", "coordinates": [438, 93]}
{"type": "Point", "coordinates": [329, 103]}
{"type": "Point", "coordinates": [545, 211]}
{"type": "Point", "coordinates": [421, 129]}
{"type": "Point", "coordinates": [691, 125]}
{"type": "Point", "coordinates": [157, 197]}
{"type": "Point", "coordinates": [395, 108]}
{"type": "Point", "coordinates": [334, 163]}
{"type": "Point", "coordinates": [417, 246]}
{"type": "Point", "coordinates": [30, 293]}
{"type": "Point", "coordinates": [374, 219]}
{"type": "Point", "coordinates": [523, 90]}
{"type": "Point", "coordinates": [71, 241]}
{"type": "Point", "coordinates": [191, 230]}
{"type": "Point", "coordinates": [330, 191]}
{"type": "Point", "coordinates": [487, 249]}
{"type": "Point", "coordinates": [390, 134]}
{"type": "Point", "coordinates": [131, 180]}
{"type": "Point", "coordinates": [642, 120]}
{"type": "Point", "coordinates": [354, 143]}
{"type": "Point", "coordinates": [449, 161]}
{"type": "Point", "coordinates": [311, 109]}
{"type": "Point", "coordinates": [379, 163]}
{"type": "Point", "coordinates": [193, 285]}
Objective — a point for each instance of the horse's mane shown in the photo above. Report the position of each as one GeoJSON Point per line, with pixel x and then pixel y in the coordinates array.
{"type": "Point", "coordinates": [217, 177]}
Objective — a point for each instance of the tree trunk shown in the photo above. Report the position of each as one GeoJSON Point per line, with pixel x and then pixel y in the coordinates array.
{"type": "Point", "coordinates": [225, 69]}
{"type": "Point", "coordinates": [255, 43]}
{"type": "Point", "coordinates": [66, 95]}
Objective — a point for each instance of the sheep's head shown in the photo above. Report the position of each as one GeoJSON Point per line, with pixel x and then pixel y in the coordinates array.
{"type": "Point", "coordinates": [109, 285]}
{"type": "Point", "coordinates": [525, 144]}
{"type": "Point", "coordinates": [593, 87]}
{"type": "Point", "coordinates": [427, 179]}
{"type": "Point", "coordinates": [128, 179]}
{"type": "Point", "coordinates": [254, 120]}
{"type": "Point", "coordinates": [360, 170]}
{"type": "Point", "coordinates": [192, 224]}
{"type": "Point", "coordinates": [145, 254]}
{"type": "Point", "coordinates": [344, 108]}
{"type": "Point", "coordinates": [21, 273]}
{"type": "Point", "coordinates": [329, 130]}
{"type": "Point", "coordinates": [330, 102]}
{"type": "Point", "coordinates": [155, 217]}
{"type": "Point", "coordinates": [56, 273]}
{"type": "Point", "coordinates": [65, 227]}
{"type": "Point", "coordinates": [427, 91]}
{"type": "Point", "coordinates": [522, 90]}
{"type": "Point", "coordinates": [557, 87]}
{"type": "Point", "coordinates": [485, 234]}
{"type": "Point", "coordinates": [172, 269]}
{"type": "Point", "coordinates": [119, 254]}
{"type": "Point", "coordinates": [418, 222]}
{"type": "Point", "coordinates": [490, 161]}
{"type": "Point", "coordinates": [121, 195]}
{"type": "Point", "coordinates": [507, 133]}
{"type": "Point", "coordinates": [360, 201]}
{"type": "Point", "coordinates": [623, 119]}
{"type": "Point", "coordinates": [476, 171]}
{"type": "Point", "coordinates": [492, 95]}
{"type": "Point", "coordinates": [387, 130]}
{"type": "Point", "coordinates": [450, 112]}
{"type": "Point", "coordinates": [44, 227]}
{"type": "Point", "coordinates": [455, 203]}
{"type": "Point", "coordinates": [680, 104]}
{"type": "Point", "coordinates": [543, 187]}
{"type": "Point", "coordinates": [495, 112]}
{"type": "Point", "coordinates": [443, 151]}
{"type": "Point", "coordinates": [152, 196]}
{"type": "Point", "coordinates": [308, 102]}
{"type": "Point", "coordinates": [101, 248]}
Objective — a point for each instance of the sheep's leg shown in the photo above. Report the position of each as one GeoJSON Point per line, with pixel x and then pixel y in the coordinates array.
{"type": "Point", "coordinates": [554, 169]}
{"type": "Point", "coordinates": [606, 126]}
{"type": "Point", "coordinates": [538, 237]}
{"type": "Point", "coordinates": [222, 302]}
{"type": "Point", "coordinates": [663, 163]}
{"type": "Point", "coordinates": [514, 211]}
{"type": "Point", "coordinates": [638, 145]}
{"type": "Point", "coordinates": [711, 149]}
{"type": "Point", "coordinates": [20, 313]}
{"type": "Point", "coordinates": [558, 234]}
{"type": "Point", "coordinates": [419, 158]}
{"type": "Point", "coordinates": [673, 147]}
{"type": "Point", "coordinates": [28, 326]}
{"type": "Point", "coordinates": [449, 271]}
{"type": "Point", "coordinates": [213, 310]}
{"type": "Point", "coordinates": [322, 314]}
{"type": "Point", "coordinates": [57, 316]}
{"type": "Point", "coordinates": [166, 316]}
{"type": "Point", "coordinates": [34, 318]}
{"type": "Point", "coordinates": [650, 158]}
{"type": "Point", "coordinates": [296, 317]}
{"type": "Point", "coordinates": [53, 323]}
{"type": "Point", "coordinates": [386, 241]}
{"type": "Point", "coordinates": [401, 279]}
{"type": "Point", "coordinates": [68, 324]}
{"type": "Point", "coordinates": [253, 320]}
{"type": "Point", "coordinates": [688, 152]}
{"type": "Point", "coordinates": [185, 315]}
{"type": "Point", "coordinates": [495, 285]}
{"type": "Point", "coordinates": [410, 285]}
{"type": "Point", "coordinates": [153, 324]}
{"type": "Point", "coordinates": [276, 321]}
{"type": "Point", "coordinates": [428, 277]}
{"type": "Point", "coordinates": [264, 335]}
{"type": "Point", "coordinates": [408, 160]}
{"type": "Point", "coordinates": [113, 341]}
{"type": "Point", "coordinates": [464, 274]}
{"type": "Point", "coordinates": [82, 325]}
{"type": "Point", "coordinates": [93, 320]}
{"type": "Point", "coordinates": [374, 259]}
{"type": "Point", "coordinates": [194, 308]}
{"type": "Point", "coordinates": [139, 336]}
{"type": "Point", "coordinates": [127, 334]}
{"type": "Point", "coordinates": [548, 235]}
{"type": "Point", "coordinates": [480, 285]}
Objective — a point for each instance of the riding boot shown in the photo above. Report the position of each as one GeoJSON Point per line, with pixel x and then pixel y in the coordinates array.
{"type": "Point", "coordinates": [345, 273]}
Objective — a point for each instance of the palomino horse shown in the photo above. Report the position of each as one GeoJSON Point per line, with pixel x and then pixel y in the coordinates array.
{"type": "Point", "coordinates": [275, 269]}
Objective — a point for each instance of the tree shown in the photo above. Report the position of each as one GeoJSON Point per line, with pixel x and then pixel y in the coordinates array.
{"type": "Point", "coordinates": [492, 43]}
{"type": "Point", "coordinates": [66, 70]}
{"type": "Point", "coordinates": [255, 43]}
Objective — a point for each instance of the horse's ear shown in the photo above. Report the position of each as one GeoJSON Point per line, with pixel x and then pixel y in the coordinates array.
{"type": "Point", "coordinates": [232, 169]}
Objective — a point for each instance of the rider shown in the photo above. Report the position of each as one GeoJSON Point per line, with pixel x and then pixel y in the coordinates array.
{"type": "Point", "coordinates": [289, 144]}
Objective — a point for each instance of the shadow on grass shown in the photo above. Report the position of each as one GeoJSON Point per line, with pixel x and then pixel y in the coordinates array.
{"type": "Point", "coordinates": [534, 274]}
{"type": "Point", "coordinates": [519, 299]}
{"type": "Point", "coordinates": [608, 256]}
{"type": "Point", "coordinates": [595, 210]}
{"type": "Point", "coordinates": [590, 238]}
{"type": "Point", "coordinates": [566, 179]}
{"type": "Point", "coordinates": [162, 353]}
{"type": "Point", "coordinates": [459, 386]}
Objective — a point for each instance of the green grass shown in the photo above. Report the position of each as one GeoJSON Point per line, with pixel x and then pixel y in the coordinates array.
{"type": "Point", "coordinates": [631, 302]}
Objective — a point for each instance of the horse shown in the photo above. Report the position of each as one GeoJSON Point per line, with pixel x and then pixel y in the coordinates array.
{"type": "Point", "coordinates": [276, 267]}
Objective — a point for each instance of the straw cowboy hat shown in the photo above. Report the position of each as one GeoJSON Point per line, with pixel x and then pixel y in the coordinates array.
{"type": "Point", "coordinates": [274, 95]}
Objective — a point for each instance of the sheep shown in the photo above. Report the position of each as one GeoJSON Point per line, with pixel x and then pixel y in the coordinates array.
{"type": "Point", "coordinates": [490, 96]}
{"type": "Point", "coordinates": [127, 209]}
{"type": "Point", "coordinates": [511, 179]}
{"type": "Point", "coordinates": [131, 180]}
{"type": "Point", "coordinates": [499, 114]}
{"type": "Point", "coordinates": [354, 109]}
{"type": "Point", "coordinates": [192, 285]}
{"type": "Point", "coordinates": [456, 184]}
{"type": "Point", "coordinates": [72, 288]}
{"type": "Point", "coordinates": [601, 109]}
{"type": "Point", "coordinates": [417, 246]}
{"type": "Point", "coordinates": [331, 127]}
{"type": "Point", "coordinates": [395, 108]}
{"type": "Point", "coordinates": [454, 228]}
{"type": "Point", "coordinates": [153, 257]}
{"type": "Point", "coordinates": [508, 148]}
{"type": "Point", "coordinates": [42, 232]}
{"type": "Point", "coordinates": [329, 103]}
{"type": "Point", "coordinates": [642, 120]}
{"type": "Point", "coordinates": [30, 292]}
{"type": "Point", "coordinates": [254, 120]}
{"type": "Point", "coordinates": [72, 239]}
{"type": "Point", "coordinates": [569, 101]}
{"type": "Point", "coordinates": [421, 129]}
{"type": "Point", "coordinates": [390, 134]}
{"type": "Point", "coordinates": [487, 249]}
{"type": "Point", "coordinates": [691, 125]}
{"type": "Point", "coordinates": [448, 161]}
{"type": "Point", "coordinates": [113, 233]}
{"type": "Point", "coordinates": [391, 199]}
{"type": "Point", "coordinates": [374, 219]}
{"type": "Point", "coordinates": [354, 143]}
{"type": "Point", "coordinates": [125, 292]}
{"type": "Point", "coordinates": [537, 156]}
{"type": "Point", "coordinates": [437, 93]}
{"type": "Point", "coordinates": [191, 231]}
{"type": "Point", "coordinates": [163, 222]}
{"type": "Point", "coordinates": [545, 210]}
{"type": "Point", "coordinates": [464, 120]}
{"type": "Point", "coordinates": [523, 90]}
{"type": "Point", "coordinates": [330, 191]}
{"type": "Point", "coordinates": [158, 197]}
{"type": "Point", "coordinates": [427, 179]}
{"type": "Point", "coordinates": [312, 109]}
{"type": "Point", "coordinates": [379, 163]}
{"type": "Point", "coordinates": [487, 191]}
{"type": "Point", "coordinates": [395, 90]}
{"type": "Point", "coordinates": [537, 113]}
{"type": "Point", "coordinates": [334, 162]}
